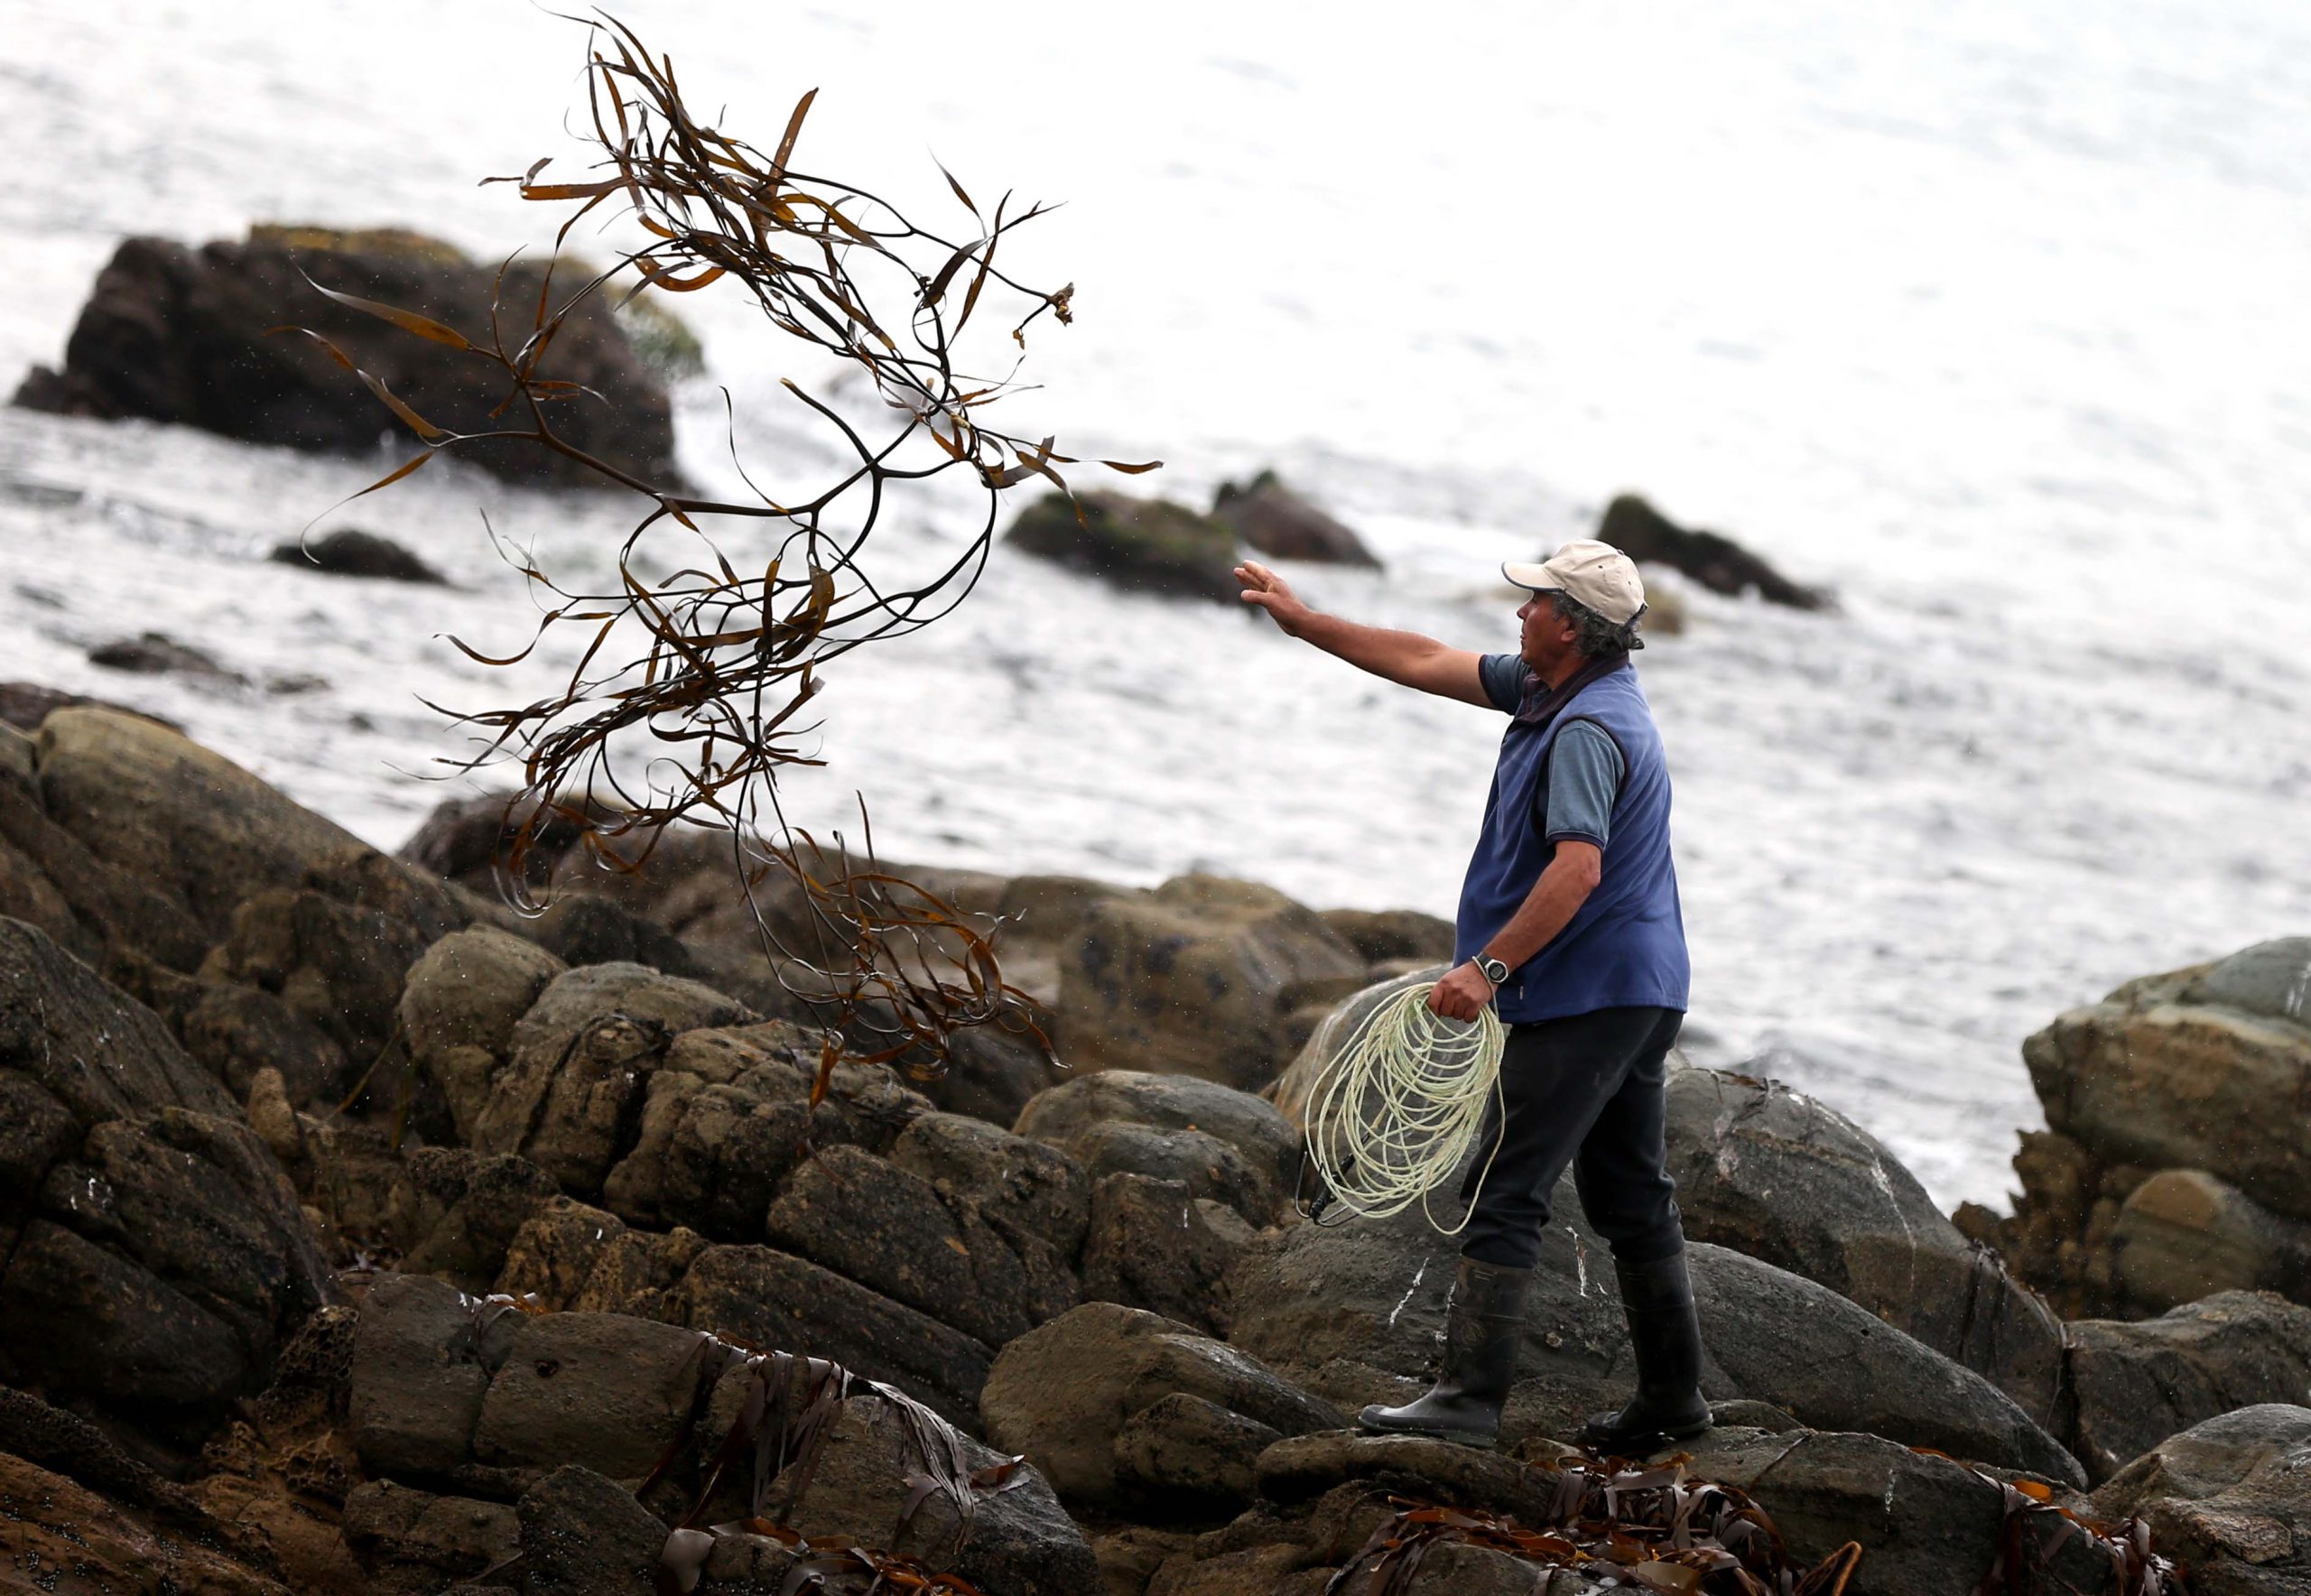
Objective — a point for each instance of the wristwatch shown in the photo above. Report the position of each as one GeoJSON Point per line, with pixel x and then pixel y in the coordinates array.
{"type": "Point", "coordinates": [1493, 969]}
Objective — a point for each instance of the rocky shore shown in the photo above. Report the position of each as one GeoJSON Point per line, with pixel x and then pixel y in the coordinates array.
{"type": "Point", "coordinates": [358, 1236]}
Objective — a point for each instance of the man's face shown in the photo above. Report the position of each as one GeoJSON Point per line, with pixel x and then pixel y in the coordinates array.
{"type": "Point", "coordinates": [1548, 637]}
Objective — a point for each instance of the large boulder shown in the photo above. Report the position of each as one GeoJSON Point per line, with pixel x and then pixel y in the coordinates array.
{"type": "Point", "coordinates": [137, 1209]}
{"type": "Point", "coordinates": [90, 907]}
{"type": "Point", "coordinates": [1275, 520]}
{"type": "Point", "coordinates": [175, 334]}
{"type": "Point", "coordinates": [1222, 1143]}
{"type": "Point", "coordinates": [2217, 1050]}
{"type": "Point", "coordinates": [1187, 979]}
{"type": "Point", "coordinates": [2182, 1234]}
{"type": "Point", "coordinates": [1783, 1177]}
{"type": "Point", "coordinates": [159, 807]}
{"type": "Point", "coordinates": [1711, 559]}
{"type": "Point", "coordinates": [1067, 1395]}
{"type": "Point", "coordinates": [946, 1500]}
{"type": "Point", "coordinates": [2230, 1498]}
{"type": "Point", "coordinates": [1141, 545]}
{"type": "Point", "coordinates": [1358, 1310]}
{"type": "Point", "coordinates": [2135, 1384]}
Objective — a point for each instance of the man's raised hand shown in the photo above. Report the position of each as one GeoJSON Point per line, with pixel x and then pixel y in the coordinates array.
{"type": "Point", "coordinates": [1268, 591]}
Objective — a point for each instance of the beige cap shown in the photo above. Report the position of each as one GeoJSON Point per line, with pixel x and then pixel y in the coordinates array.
{"type": "Point", "coordinates": [1597, 574]}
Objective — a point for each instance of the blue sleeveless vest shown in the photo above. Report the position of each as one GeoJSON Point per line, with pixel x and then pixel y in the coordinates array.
{"type": "Point", "coordinates": [1626, 946]}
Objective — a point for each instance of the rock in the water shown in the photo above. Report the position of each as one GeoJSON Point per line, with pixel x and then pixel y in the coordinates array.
{"type": "Point", "coordinates": [1064, 1393]}
{"type": "Point", "coordinates": [1186, 979]}
{"type": "Point", "coordinates": [460, 1005]}
{"type": "Point", "coordinates": [2230, 1499]}
{"type": "Point", "coordinates": [582, 1536]}
{"type": "Point", "coordinates": [1783, 1177]}
{"type": "Point", "coordinates": [2183, 1235]}
{"type": "Point", "coordinates": [156, 653]}
{"type": "Point", "coordinates": [175, 334]}
{"type": "Point", "coordinates": [1275, 520]}
{"type": "Point", "coordinates": [23, 705]}
{"type": "Point", "coordinates": [2134, 1385]}
{"type": "Point", "coordinates": [2214, 1051]}
{"type": "Point", "coordinates": [1082, 1116]}
{"type": "Point", "coordinates": [1714, 560]}
{"type": "Point", "coordinates": [1141, 545]}
{"type": "Point", "coordinates": [351, 552]}
{"type": "Point", "coordinates": [1011, 1540]}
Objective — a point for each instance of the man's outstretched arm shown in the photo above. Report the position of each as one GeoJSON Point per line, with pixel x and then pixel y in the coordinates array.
{"type": "Point", "coordinates": [1405, 658]}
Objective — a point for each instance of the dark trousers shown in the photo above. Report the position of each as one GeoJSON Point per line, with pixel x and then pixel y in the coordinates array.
{"type": "Point", "coordinates": [1585, 1090]}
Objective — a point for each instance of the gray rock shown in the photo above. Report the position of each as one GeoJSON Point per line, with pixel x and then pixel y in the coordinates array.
{"type": "Point", "coordinates": [1183, 1446]}
{"type": "Point", "coordinates": [1014, 1182]}
{"type": "Point", "coordinates": [1380, 934]}
{"type": "Point", "coordinates": [350, 551]}
{"type": "Point", "coordinates": [770, 1299]}
{"type": "Point", "coordinates": [598, 1390]}
{"type": "Point", "coordinates": [1062, 1393]}
{"type": "Point", "coordinates": [1275, 520]}
{"type": "Point", "coordinates": [1144, 545]}
{"type": "Point", "coordinates": [455, 1212]}
{"type": "Point", "coordinates": [1153, 1244]}
{"type": "Point", "coordinates": [581, 1060]}
{"type": "Point", "coordinates": [2183, 1235]}
{"type": "Point", "coordinates": [84, 1044]}
{"type": "Point", "coordinates": [460, 1005]}
{"type": "Point", "coordinates": [1305, 1467]}
{"type": "Point", "coordinates": [2230, 1499]}
{"type": "Point", "coordinates": [2134, 1385]}
{"type": "Point", "coordinates": [418, 1379]}
{"type": "Point", "coordinates": [2270, 979]}
{"type": "Point", "coordinates": [412, 1543]}
{"type": "Point", "coordinates": [48, 876]}
{"type": "Point", "coordinates": [1066, 1114]}
{"type": "Point", "coordinates": [1928, 1526]}
{"type": "Point", "coordinates": [239, 1031]}
{"type": "Point", "coordinates": [1779, 1175]}
{"type": "Point", "coordinates": [582, 1536]}
{"type": "Point", "coordinates": [1711, 559]}
{"type": "Point", "coordinates": [1014, 1540]}
{"type": "Point", "coordinates": [1200, 1162]}
{"type": "Point", "coordinates": [156, 653]}
{"type": "Point", "coordinates": [1186, 981]}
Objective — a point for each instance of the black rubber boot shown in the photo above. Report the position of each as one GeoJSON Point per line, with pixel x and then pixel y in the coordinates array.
{"type": "Point", "coordinates": [1480, 1334]}
{"type": "Point", "coordinates": [1657, 1299]}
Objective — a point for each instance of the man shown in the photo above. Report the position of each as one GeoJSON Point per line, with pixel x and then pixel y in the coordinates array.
{"type": "Point", "coordinates": [1569, 925]}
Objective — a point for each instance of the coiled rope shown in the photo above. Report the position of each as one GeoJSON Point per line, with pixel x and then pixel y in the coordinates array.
{"type": "Point", "coordinates": [1396, 1109]}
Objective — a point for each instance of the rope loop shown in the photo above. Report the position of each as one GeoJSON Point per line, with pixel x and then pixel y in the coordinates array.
{"type": "Point", "coordinates": [1396, 1109]}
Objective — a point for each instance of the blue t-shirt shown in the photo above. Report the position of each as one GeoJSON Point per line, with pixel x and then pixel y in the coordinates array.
{"type": "Point", "coordinates": [1585, 767]}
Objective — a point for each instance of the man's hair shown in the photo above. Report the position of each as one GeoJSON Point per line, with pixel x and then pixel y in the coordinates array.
{"type": "Point", "coordinates": [1593, 634]}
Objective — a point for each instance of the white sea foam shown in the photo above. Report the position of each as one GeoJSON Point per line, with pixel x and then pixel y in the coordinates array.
{"type": "Point", "coordinates": [1991, 322]}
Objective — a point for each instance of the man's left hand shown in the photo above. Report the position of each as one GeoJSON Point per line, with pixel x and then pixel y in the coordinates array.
{"type": "Point", "coordinates": [1461, 994]}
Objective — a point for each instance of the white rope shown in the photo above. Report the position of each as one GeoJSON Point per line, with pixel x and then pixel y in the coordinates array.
{"type": "Point", "coordinates": [1396, 1109]}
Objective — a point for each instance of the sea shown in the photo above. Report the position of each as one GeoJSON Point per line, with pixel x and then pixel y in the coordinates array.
{"type": "Point", "coordinates": [1987, 317]}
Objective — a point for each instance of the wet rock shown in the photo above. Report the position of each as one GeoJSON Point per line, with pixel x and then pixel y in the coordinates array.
{"type": "Point", "coordinates": [1380, 934]}
{"type": "Point", "coordinates": [581, 928]}
{"type": "Point", "coordinates": [418, 1379]}
{"type": "Point", "coordinates": [460, 1005]}
{"type": "Point", "coordinates": [240, 1032]}
{"type": "Point", "coordinates": [1186, 979]}
{"type": "Point", "coordinates": [1064, 1393]}
{"type": "Point", "coordinates": [582, 1536]}
{"type": "Point", "coordinates": [571, 1256]}
{"type": "Point", "coordinates": [156, 653]}
{"type": "Point", "coordinates": [602, 1390]}
{"type": "Point", "coordinates": [1308, 1466]}
{"type": "Point", "coordinates": [176, 334]}
{"type": "Point", "coordinates": [766, 1298]}
{"type": "Point", "coordinates": [2134, 1385]}
{"type": "Point", "coordinates": [1182, 1445]}
{"type": "Point", "coordinates": [412, 1542]}
{"type": "Point", "coordinates": [1928, 1526]}
{"type": "Point", "coordinates": [159, 807]}
{"type": "Point", "coordinates": [23, 705]}
{"type": "Point", "coordinates": [579, 1063]}
{"type": "Point", "coordinates": [2214, 1050]}
{"type": "Point", "coordinates": [889, 1229]}
{"type": "Point", "coordinates": [1275, 520]}
{"type": "Point", "coordinates": [1343, 1017]}
{"type": "Point", "coordinates": [1783, 1177]}
{"type": "Point", "coordinates": [1714, 560]}
{"type": "Point", "coordinates": [1206, 1167]}
{"type": "Point", "coordinates": [1011, 1540]}
{"type": "Point", "coordinates": [1153, 1244]}
{"type": "Point", "coordinates": [1140, 545]}
{"type": "Point", "coordinates": [1016, 1183]}
{"type": "Point", "coordinates": [995, 1073]}
{"type": "Point", "coordinates": [351, 552]}
{"type": "Point", "coordinates": [56, 1536]}
{"type": "Point", "coordinates": [2183, 1235]}
{"type": "Point", "coordinates": [455, 1212]}
{"type": "Point", "coordinates": [91, 908]}
{"type": "Point", "coordinates": [1084, 1110]}
{"type": "Point", "coordinates": [2229, 1497]}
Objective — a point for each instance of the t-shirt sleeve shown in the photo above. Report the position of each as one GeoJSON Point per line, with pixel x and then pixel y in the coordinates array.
{"type": "Point", "coordinates": [1584, 778]}
{"type": "Point", "coordinates": [1503, 675]}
